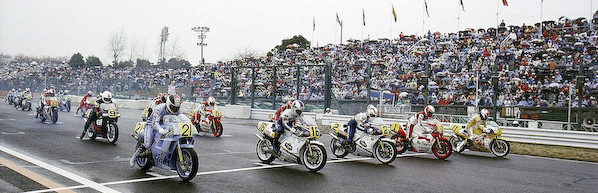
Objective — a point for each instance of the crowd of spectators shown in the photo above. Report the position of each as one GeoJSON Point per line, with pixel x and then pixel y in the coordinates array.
{"type": "Point", "coordinates": [536, 65]}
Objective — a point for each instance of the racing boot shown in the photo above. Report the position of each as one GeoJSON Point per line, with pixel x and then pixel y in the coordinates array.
{"type": "Point", "coordinates": [140, 151]}
{"type": "Point", "coordinates": [461, 145]}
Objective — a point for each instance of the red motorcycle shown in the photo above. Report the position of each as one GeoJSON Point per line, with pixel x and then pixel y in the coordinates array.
{"type": "Point", "coordinates": [431, 141]}
{"type": "Point", "coordinates": [213, 124]}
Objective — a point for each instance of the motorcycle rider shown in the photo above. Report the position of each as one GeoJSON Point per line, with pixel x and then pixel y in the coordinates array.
{"type": "Point", "coordinates": [42, 101]}
{"type": "Point", "coordinates": [281, 109]}
{"type": "Point", "coordinates": [360, 121]}
{"type": "Point", "coordinates": [161, 98]}
{"type": "Point", "coordinates": [171, 107]}
{"type": "Point", "coordinates": [89, 94]}
{"type": "Point", "coordinates": [477, 122]}
{"type": "Point", "coordinates": [416, 119]}
{"type": "Point", "coordinates": [205, 109]}
{"type": "Point", "coordinates": [287, 121]}
{"type": "Point", "coordinates": [105, 97]}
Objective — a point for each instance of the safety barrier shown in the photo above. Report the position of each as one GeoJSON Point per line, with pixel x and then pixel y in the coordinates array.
{"type": "Point", "coordinates": [515, 134]}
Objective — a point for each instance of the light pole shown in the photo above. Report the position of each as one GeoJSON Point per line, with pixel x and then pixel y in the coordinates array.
{"type": "Point", "coordinates": [201, 36]}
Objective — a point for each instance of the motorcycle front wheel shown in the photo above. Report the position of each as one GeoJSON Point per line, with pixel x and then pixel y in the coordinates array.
{"type": "Point", "coordinates": [145, 163]}
{"type": "Point", "coordinates": [444, 151]}
{"type": "Point", "coordinates": [217, 130]}
{"type": "Point", "coordinates": [112, 133]}
{"type": "Point", "coordinates": [315, 159]}
{"type": "Point", "coordinates": [500, 148]}
{"type": "Point", "coordinates": [90, 132]}
{"type": "Point", "coordinates": [262, 151]}
{"type": "Point", "coordinates": [455, 141]}
{"type": "Point", "coordinates": [337, 148]}
{"type": "Point", "coordinates": [401, 147]}
{"type": "Point", "coordinates": [385, 152]}
{"type": "Point", "coordinates": [54, 116]}
{"type": "Point", "coordinates": [187, 167]}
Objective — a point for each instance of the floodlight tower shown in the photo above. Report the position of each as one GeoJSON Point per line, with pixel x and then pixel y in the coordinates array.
{"type": "Point", "coordinates": [201, 36]}
{"type": "Point", "coordinates": [163, 39]}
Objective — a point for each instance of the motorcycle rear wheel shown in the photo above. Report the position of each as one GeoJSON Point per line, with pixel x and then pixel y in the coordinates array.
{"type": "Point", "coordinates": [264, 156]}
{"type": "Point", "coordinates": [385, 152]}
{"type": "Point", "coordinates": [112, 133]}
{"type": "Point", "coordinates": [444, 151]}
{"type": "Point", "coordinates": [145, 163]}
{"type": "Point", "coordinates": [401, 147]}
{"type": "Point", "coordinates": [500, 148]}
{"type": "Point", "coordinates": [317, 160]}
{"type": "Point", "coordinates": [217, 131]}
{"type": "Point", "coordinates": [189, 166]}
{"type": "Point", "coordinates": [337, 149]}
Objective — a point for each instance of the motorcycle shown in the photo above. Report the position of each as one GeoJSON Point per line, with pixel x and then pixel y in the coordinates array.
{"type": "Point", "coordinates": [488, 139]}
{"type": "Point", "coordinates": [25, 103]}
{"type": "Point", "coordinates": [105, 126]}
{"type": "Point", "coordinates": [50, 110]}
{"type": "Point", "coordinates": [432, 141]}
{"type": "Point", "coordinates": [367, 144]}
{"type": "Point", "coordinates": [213, 125]}
{"type": "Point", "coordinates": [65, 103]}
{"type": "Point", "coordinates": [17, 101]}
{"type": "Point", "coordinates": [295, 147]}
{"type": "Point", "coordinates": [87, 104]}
{"type": "Point", "coordinates": [147, 111]}
{"type": "Point", "coordinates": [9, 98]}
{"type": "Point", "coordinates": [172, 150]}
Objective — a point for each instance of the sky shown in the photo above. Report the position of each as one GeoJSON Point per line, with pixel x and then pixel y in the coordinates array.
{"type": "Point", "coordinates": [61, 28]}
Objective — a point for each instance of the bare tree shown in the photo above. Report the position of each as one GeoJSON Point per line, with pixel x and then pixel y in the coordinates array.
{"type": "Point", "coordinates": [245, 53]}
{"type": "Point", "coordinates": [175, 51]}
{"type": "Point", "coordinates": [132, 49]}
{"type": "Point", "coordinates": [117, 44]}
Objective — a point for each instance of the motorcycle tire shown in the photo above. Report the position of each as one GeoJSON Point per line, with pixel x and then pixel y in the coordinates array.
{"type": "Point", "coordinates": [384, 155]}
{"type": "Point", "coordinates": [401, 147]}
{"type": "Point", "coordinates": [217, 131]}
{"type": "Point", "coordinates": [68, 107]}
{"type": "Point", "coordinates": [144, 163]}
{"type": "Point", "coordinates": [337, 149]}
{"type": "Point", "coordinates": [90, 132]}
{"type": "Point", "coordinates": [188, 169]}
{"type": "Point", "coordinates": [454, 141]}
{"type": "Point", "coordinates": [264, 156]}
{"type": "Point", "coordinates": [317, 160]}
{"type": "Point", "coordinates": [444, 151]}
{"type": "Point", "coordinates": [54, 116]}
{"type": "Point", "coordinates": [500, 148]}
{"type": "Point", "coordinates": [112, 133]}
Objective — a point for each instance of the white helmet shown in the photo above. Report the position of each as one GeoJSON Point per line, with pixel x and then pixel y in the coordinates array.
{"type": "Point", "coordinates": [484, 113]}
{"type": "Point", "coordinates": [516, 123]}
{"type": "Point", "coordinates": [429, 111]}
{"type": "Point", "coordinates": [89, 93]}
{"type": "Point", "coordinates": [211, 101]}
{"type": "Point", "coordinates": [27, 89]}
{"type": "Point", "coordinates": [298, 107]}
{"type": "Point", "coordinates": [372, 111]}
{"type": "Point", "coordinates": [106, 96]}
{"type": "Point", "coordinates": [66, 91]}
{"type": "Point", "coordinates": [173, 103]}
{"type": "Point", "coordinates": [361, 118]}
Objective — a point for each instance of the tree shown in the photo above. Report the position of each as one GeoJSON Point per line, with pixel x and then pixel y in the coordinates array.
{"type": "Point", "coordinates": [117, 45]}
{"type": "Point", "coordinates": [245, 53]}
{"type": "Point", "coordinates": [298, 39]}
{"type": "Point", "coordinates": [93, 61]}
{"type": "Point", "coordinates": [76, 60]}
{"type": "Point", "coordinates": [123, 64]}
{"type": "Point", "coordinates": [175, 63]}
{"type": "Point", "coordinates": [141, 63]}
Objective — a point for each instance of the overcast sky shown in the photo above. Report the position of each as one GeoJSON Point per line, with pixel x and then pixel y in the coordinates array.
{"type": "Point", "coordinates": [65, 27]}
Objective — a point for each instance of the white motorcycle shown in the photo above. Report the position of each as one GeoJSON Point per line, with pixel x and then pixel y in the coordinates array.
{"type": "Point", "coordinates": [367, 143]}
{"type": "Point", "coordinates": [295, 147]}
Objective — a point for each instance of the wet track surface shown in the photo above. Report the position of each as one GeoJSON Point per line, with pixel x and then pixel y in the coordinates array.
{"type": "Point", "coordinates": [229, 164]}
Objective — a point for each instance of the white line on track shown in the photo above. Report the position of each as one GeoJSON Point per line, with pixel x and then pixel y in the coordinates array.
{"type": "Point", "coordinates": [62, 172]}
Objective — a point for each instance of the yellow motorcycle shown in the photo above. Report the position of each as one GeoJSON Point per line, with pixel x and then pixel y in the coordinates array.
{"type": "Point", "coordinates": [488, 139]}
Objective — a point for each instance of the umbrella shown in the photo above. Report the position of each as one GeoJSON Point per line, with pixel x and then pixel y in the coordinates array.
{"type": "Point", "coordinates": [516, 79]}
{"type": "Point", "coordinates": [578, 44]}
{"type": "Point", "coordinates": [403, 94]}
{"type": "Point", "coordinates": [554, 84]}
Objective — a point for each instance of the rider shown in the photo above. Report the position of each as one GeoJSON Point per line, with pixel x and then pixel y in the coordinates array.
{"type": "Point", "coordinates": [205, 109]}
{"type": "Point", "coordinates": [161, 98]}
{"type": "Point", "coordinates": [287, 121]}
{"type": "Point", "coordinates": [171, 107]}
{"type": "Point", "coordinates": [360, 121]}
{"type": "Point", "coordinates": [42, 101]}
{"type": "Point", "coordinates": [475, 123]}
{"type": "Point", "coordinates": [89, 94]}
{"type": "Point", "coordinates": [281, 109]}
{"type": "Point", "coordinates": [416, 119]}
{"type": "Point", "coordinates": [106, 97]}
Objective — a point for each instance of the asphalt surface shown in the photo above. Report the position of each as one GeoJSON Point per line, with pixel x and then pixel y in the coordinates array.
{"type": "Point", "coordinates": [230, 164]}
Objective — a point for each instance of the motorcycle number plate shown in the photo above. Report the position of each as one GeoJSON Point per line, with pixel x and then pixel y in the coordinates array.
{"type": "Point", "coordinates": [336, 127]}
{"type": "Point", "coordinates": [262, 126]}
{"type": "Point", "coordinates": [112, 114]}
{"type": "Point", "coordinates": [217, 113]}
{"type": "Point", "coordinates": [385, 130]}
{"type": "Point", "coordinates": [186, 129]}
{"type": "Point", "coordinates": [139, 127]}
{"type": "Point", "coordinates": [395, 127]}
{"type": "Point", "coordinates": [314, 132]}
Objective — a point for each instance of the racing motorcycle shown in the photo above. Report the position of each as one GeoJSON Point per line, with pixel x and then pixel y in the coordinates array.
{"type": "Point", "coordinates": [487, 140]}
{"type": "Point", "coordinates": [431, 141]}
{"type": "Point", "coordinates": [50, 110]}
{"type": "Point", "coordinates": [147, 111]}
{"type": "Point", "coordinates": [366, 143]}
{"type": "Point", "coordinates": [25, 103]}
{"type": "Point", "coordinates": [213, 125]}
{"type": "Point", "coordinates": [295, 147]}
{"type": "Point", "coordinates": [65, 103]}
{"type": "Point", "coordinates": [9, 98]}
{"type": "Point", "coordinates": [172, 149]}
{"type": "Point", "coordinates": [105, 125]}
{"type": "Point", "coordinates": [87, 104]}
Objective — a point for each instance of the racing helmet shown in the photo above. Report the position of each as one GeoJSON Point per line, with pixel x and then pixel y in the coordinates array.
{"type": "Point", "coordinates": [16, 90]}
{"type": "Point", "coordinates": [298, 107]}
{"type": "Point", "coordinates": [89, 93]}
{"type": "Point", "coordinates": [211, 101]}
{"type": "Point", "coordinates": [372, 111]}
{"type": "Point", "coordinates": [361, 118]}
{"type": "Point", "coordinates": [429, 111]}
{"type": "Point", "coordinates": [162, 97]}
{"type": "Point", "coordinates": [66, 92]}
{"type": "Point", "coordinates": [484, 113]}
{"type": "Point", "coordinates": [27, 89]}
{"type": "Point", "coordinates": [51, 92]}
{"type": "Point", "coordinates": [173, 103]}
{"type": "Point", "coordinates": [106, 96]}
